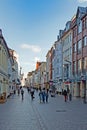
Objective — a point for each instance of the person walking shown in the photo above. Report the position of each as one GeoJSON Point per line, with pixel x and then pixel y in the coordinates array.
{"type": "Point", "coordinates": [32, 93]}
{"type": "Point", "coordinates": [68, 92]}
{"type": "Point", "coordinates": [43, 95]}
{"type": "Point", "coordinates": [65, 95]}
{"type": "Point", "coordinates": [70, 96]}
{"type": "Point", "coordinates": [22, 93]}
{"type": "Point", "coordinates": [28, 89]}
{"type": "Point", "coordinates": [40, 95]}
{"type": "Point", "coordinates": [46, 94]}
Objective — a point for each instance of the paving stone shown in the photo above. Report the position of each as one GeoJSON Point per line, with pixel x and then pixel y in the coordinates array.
{"type": "Point", "coordinates": [16, 114]}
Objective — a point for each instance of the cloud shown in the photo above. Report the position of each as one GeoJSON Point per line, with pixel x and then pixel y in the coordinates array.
{"type": "Point", "coordinates": [27, 63]}
{"type": "Point", "coordinates": [82, 1]}
{"type": "Point", "coordinates": [32, 63]}
{"type": "Point", "coordinates": [34, 48]}
{"type": "Point", "coordinates": [36, 59]}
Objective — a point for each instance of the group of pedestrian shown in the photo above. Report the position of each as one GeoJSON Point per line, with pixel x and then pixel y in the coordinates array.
{"type": "Point", "coordinates": [31, 91]}
{"type": "Point", "coordinates": [43, 95]}
{"type": "Point", "coordinates": [20, 90]}
{"type": "Point", "coordinates": [67, 94]}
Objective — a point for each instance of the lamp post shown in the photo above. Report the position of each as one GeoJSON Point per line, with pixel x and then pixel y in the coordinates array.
{"type": "Point", "coordinates": [83, 78]}
{"type": "Point", "coordinates": [85, 94]}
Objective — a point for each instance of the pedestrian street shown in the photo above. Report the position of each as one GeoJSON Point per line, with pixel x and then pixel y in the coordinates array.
{"type": "Point", "coordinates": [18, 114]}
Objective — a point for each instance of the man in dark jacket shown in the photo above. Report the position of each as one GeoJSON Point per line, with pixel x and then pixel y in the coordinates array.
{"type": "Point", "coordinates": [65, 95]}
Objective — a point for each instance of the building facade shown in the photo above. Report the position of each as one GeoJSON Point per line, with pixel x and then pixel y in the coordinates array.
{"type": "Point", "coordinates": [58, 65]}
{"type": "Point", "coordinates": [67, 56]}
{"type": "Point", "coordinates": [79, 52]}
{"type": "Point", "coordinates": [15, 70]}
{"type": "Point", "coordinates": [4, 56]}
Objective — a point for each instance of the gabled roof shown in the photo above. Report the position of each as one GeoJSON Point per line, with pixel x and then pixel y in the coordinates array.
{"type": "Point", "coordinates": [4, 43]}
{"type": "Point", "coordinates": [81, 10]}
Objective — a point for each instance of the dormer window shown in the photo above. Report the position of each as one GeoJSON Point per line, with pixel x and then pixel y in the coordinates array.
{"type": "Point", "coordinates": [80, 26]}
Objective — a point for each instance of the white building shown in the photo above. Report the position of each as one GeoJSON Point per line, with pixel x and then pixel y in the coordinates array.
{"type": "Point", "coordinates": [15, 70]}
{"type": "Point", "coordinates": [10, 64]}
{"type": "Point", "coordinates": [58, 65]}
{"type": "Point", "coordinates": [48, 65]}
{"type": "Point", "coordinates": [4, 56]}
{"type": "Point", "coordinates": [67, 56]}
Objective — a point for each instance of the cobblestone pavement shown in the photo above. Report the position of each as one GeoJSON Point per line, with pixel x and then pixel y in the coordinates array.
{"type": "Point", "coordinates": [16, 114]}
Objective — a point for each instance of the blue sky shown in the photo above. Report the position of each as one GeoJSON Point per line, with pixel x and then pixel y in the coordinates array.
{"type": "Point", "coordinates": [30, 27]}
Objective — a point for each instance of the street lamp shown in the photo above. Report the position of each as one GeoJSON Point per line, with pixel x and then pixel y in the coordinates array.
{"type": "Point", "coordinates": [83, 78]}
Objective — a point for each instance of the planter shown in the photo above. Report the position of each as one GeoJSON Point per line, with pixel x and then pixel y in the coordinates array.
{"type": "Point", "coordinates": [3, 98]}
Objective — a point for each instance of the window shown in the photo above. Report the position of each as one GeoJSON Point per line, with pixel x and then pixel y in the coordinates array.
{"type": "Point", "coordinates": [70, 37]}
{"type": "Point", "coordinates": [84, 63]}
{"type": "Point", "coordinates": [79, 66]}
{"type": "Point", "coordinates": [86, 22]}
{"type": "Point", "coordinates": [57, 60]}
{"type": "Point", "coordinates": [66, 70]}
{"type": "Point", "coordinates": [70, 50]}
{"type": "Point", "coordinates": [0, 56]}
{"type": "Point", "coordinates": [79, 46]}
{"type": "Point", "coordinates": [74, 32]}
{"type": "Point", "coordinates": [83, 24]}
{"type": "Point", "coordinates": [58, 71]}
{"type": "Point", "coordinates": [84, 41]}
{"type": "Point", "coordinates": [80, 27]}
{"type": "Point", "coordinates": [74, 67]}
{"type": "Point", "coordinates": [74, 47]}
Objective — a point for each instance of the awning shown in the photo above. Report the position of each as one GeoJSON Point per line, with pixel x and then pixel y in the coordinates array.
{"type": "Point", "coordinates": [67, 82]}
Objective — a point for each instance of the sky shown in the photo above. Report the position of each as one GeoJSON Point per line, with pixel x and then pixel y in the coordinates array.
{"type": "Point", "coordinates": [30, 27]}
